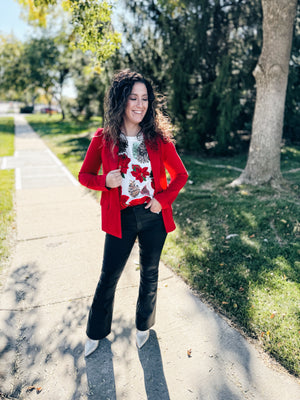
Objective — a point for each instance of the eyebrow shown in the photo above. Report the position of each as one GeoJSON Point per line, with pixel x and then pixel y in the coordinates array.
{"type": "Point", "coordinates": [135, 94]}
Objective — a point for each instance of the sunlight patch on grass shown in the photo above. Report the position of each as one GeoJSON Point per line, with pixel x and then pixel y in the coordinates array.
{"type": "Point", "coordinates": [7, 214]}
{"type": "Point", "coordinates": [274, 315]}
{"type": "Point", "coordinates": [6, 136]}
{"type": "Point", "coordinates": [7, 180]}
{"type": "Point", "coordinates": [69, 140]}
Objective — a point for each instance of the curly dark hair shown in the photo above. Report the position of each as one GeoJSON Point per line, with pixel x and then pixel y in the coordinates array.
{"type": "Point", "coordinates": [154, 125]}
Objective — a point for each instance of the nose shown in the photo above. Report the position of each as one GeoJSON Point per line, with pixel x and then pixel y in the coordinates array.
{"type": "Point", "coordinates": [139, 102]}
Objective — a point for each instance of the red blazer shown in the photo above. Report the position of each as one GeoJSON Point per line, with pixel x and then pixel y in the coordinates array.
{"type": "Point", "coordinates": [165, 157]}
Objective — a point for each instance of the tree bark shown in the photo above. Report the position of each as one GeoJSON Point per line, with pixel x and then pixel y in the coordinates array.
{"type": "Point", "coordinates": [271, 74]}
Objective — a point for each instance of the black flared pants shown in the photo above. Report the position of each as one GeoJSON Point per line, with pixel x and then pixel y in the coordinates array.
{"type": "Point", "coordinates": [148, 227]}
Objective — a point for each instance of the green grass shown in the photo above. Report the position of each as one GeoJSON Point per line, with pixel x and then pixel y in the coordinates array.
{"type": "Point", "coordinates": [253, 277]}
{"type": "Point", "coordinates": [7, 215]}
{"type": "Point", "coordinates": [67, 139]}
{"type": "Point", "coordinates": [6, 137]}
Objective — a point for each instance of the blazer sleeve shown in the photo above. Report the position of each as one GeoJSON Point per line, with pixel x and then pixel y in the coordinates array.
{"type": "Point", "coordinates": [88, 174]}
{"type": "Point", "coordinates": [178, 174]}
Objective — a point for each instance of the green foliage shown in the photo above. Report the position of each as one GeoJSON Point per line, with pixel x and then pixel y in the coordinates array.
{"type": "Point", "coordinates": [90, 20]}
{"type": "Point", "coordinates": [12, 73]}
{"type": "Point", "coordinates": [207, 51]}
{"type": "Point", "coordinates": [40, 65]}
{"type": "Point", "coordinates": [291, 129]}
{"type": "Point", "coordinates": [41, 55]}
{"type": "Point", "coordinates": [92, 27]}
{"type": "Point", "coordinates": [90, 87]}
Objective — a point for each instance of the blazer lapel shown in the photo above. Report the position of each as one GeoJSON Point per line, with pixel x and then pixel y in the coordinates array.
{"type": "Point", "coordinates": [155, 165]}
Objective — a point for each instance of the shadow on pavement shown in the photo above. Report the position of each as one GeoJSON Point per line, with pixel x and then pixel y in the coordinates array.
{"type": "Point", "coordinates": [38, 343]}
{"type": "Point", "coordinates": [100, 372]}
{"type": "Point", "coordinates": [16, 331]}
{"type": "Point", "coordinates": [154, 378]}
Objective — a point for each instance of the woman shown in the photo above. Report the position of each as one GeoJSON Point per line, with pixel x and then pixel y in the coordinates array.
{"type": "Point", "coordinates": [134, 149]}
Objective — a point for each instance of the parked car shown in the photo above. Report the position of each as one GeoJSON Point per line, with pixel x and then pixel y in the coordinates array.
{"type": "Point", "coordinates": [49, 110]}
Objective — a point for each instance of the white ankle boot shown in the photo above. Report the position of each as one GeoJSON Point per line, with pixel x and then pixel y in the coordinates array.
{"type": "Point", "coordinates": [141, 338]}
{"type": "Point", "coordinates": [90, 346]}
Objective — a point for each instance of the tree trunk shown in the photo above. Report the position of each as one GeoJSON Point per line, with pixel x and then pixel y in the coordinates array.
{"type": "Point", "coordinates": [271, 74]}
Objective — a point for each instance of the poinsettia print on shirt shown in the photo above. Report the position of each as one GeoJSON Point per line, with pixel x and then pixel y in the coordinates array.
{"type": "Point", "coordinates": [140, 173]}
{"type": "Point", "coordinates": [137, 183]}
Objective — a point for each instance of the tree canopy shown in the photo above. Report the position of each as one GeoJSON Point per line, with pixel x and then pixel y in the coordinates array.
{"type": "Point", "coordinates": [200, 53]}
{"type": "Point", "coordinates": [90, 22]}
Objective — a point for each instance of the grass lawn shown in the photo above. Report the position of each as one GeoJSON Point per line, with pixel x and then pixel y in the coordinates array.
{"type": "Point", "coordinates": [6, 136]}
{"type": "Point", "coordinates": [7, 179]}
{"type": "Point", "coordinates": [67, 139]}
{"type": "Point", "coordinates": [238, 247]}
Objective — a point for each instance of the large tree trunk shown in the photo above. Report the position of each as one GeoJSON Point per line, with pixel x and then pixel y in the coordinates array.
{"type": "Point", "coordinates": [271, 74]}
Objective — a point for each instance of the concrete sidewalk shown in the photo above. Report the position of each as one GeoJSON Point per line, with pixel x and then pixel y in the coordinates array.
{"type": "Point", "coordinates": [49, 287]}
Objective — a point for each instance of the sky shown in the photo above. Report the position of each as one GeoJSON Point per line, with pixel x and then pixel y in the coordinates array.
{"type": "Point", "coordinates": [11, 21]}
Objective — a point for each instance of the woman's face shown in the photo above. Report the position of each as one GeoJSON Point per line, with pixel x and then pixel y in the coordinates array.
{"type": "Point", "coordinates": [137, 104]}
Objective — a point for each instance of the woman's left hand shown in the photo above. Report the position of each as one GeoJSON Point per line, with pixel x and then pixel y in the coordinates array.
{"type": "Point", "coordinates": [154, 206]}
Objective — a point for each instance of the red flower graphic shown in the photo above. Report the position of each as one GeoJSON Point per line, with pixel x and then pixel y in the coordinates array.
{"type": "Point", "coordinates": [123, 163]}
{"type": "Point", "coordinates": [139, 173]}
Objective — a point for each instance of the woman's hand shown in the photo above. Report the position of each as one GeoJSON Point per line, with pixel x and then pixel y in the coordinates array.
{"type": "Point", "coordinates": [113, 179]}
{"type": "Point", "coordinates": [154, 206]}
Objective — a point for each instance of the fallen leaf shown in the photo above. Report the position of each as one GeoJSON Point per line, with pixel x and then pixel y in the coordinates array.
{"type": "Point", "coordinates": [262, 334]}
{"type": "Point", "coordinates": [224, 302]}
{"type": "Point", "coordinates": [189, 353]}
{"type": "Point", "coordinates": [31, 388]}
{"type": "Point", "coordinates": [273, 315]}
{"type": "Point", "coordinates": [252, 236]}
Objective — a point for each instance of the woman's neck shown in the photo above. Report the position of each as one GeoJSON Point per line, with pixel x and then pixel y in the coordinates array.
{"type": "Point", "coordinates": [130, 129]}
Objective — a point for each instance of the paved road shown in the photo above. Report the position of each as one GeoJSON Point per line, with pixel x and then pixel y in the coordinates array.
{"type": "Point", "coordinates": [46, 295]}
